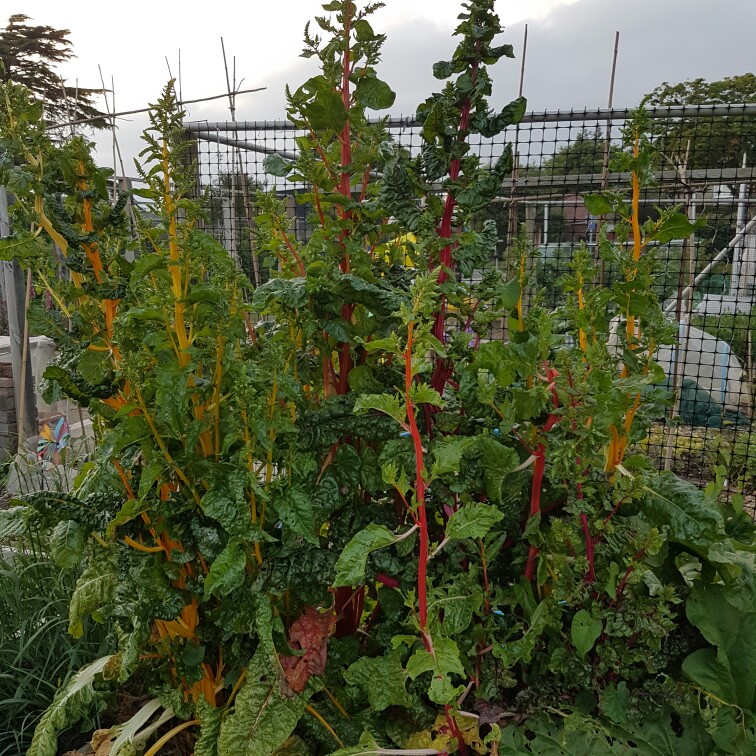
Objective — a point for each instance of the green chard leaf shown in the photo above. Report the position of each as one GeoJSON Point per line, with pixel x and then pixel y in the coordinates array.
{"type": "Point", "coordinates": [585, 631]}
{"type": "Point", "coordinates": [72, 703]}
{"type": "Point", "coordinates": [383, 678]}
{"type": "Point", "coordinates": [352, 562]}
{"type": "Point", "coordinates": [685, 511]}
{"type": "Point", "coordinates": [472, 521]}
{"type": "Point", "coordinates": [263, 717]}
{"type": "Point", "coordinates": [94, 590]}
{"type": "Point", "coordinates": [67, 544]}
{"type": "Point", "coordinates": [442, 662]}
{"type": "Point", "coordinates": [227, 572]}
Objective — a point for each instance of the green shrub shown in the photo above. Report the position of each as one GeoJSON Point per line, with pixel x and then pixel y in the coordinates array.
{"type": "Point", "coordinates": [360, 524]}
{"type": "Point", "coordinates": [37, 654]}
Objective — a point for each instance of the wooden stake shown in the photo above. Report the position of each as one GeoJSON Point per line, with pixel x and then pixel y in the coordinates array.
{"type": "Point", "coordinates": [23, 434]}
{"type": "Point", "coordinates": [607, 146]}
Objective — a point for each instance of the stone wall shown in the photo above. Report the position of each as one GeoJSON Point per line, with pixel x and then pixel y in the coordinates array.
{"type": "Point", "coordinates": [8, 426]}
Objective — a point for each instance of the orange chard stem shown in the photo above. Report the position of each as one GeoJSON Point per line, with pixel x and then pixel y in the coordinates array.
{"type": "Point", "coordinates": [297, 259]}
{"type": "Point", "coordinates": [217, 392]}
{"type": "Point", "coordinates": [637, 242]}
{"type": "Point", "coordinates": [124, 479]}
{"type": "Point", "coordinates": [141, 547]}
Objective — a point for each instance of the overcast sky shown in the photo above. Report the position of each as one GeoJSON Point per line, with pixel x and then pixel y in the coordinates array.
{"type": "Point", "coordinates": [568, 61]}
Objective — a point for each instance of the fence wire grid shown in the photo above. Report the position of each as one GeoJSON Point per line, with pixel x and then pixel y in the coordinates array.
{"type": "Point", "coordinates": [707, 284]}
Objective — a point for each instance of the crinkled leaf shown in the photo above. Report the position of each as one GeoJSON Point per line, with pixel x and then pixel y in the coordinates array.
{"type": "Point", "coordinates": [287, 292]}
{"type": "Point", "coordinates": [383, 678]}
{"type": "Point", "coordinates": [211, 718]}
{"type": "Point", "coordinates": [326, 112]}
{"type": "Point", "coordinates": [380, 299]}
{"type": "Point", "coordinates": [13, 523]}
{"type": "Point", "coordinates": [352, 562]}
{"type": "Point", "coordinates": [685, 511]}
{"type": "Point", "coordinates": [226, 573]}
{"type": "Point", "coordinates": [737, 567]}
{"type": "Point", "coordinates": [521, 649]}
{"type": "Point", "coordinates": [262, 718]}
{"type": "Point", "coordinates": [294, 507]}
{"type": "Point", "coordinates": [497, 461]}
{"type": "Point", "coordinates": [447, 454]}
{"type": "Point", "coordinates": [72, 703]}
{"type": "Point", "coordinates": [226, 503]}
{"type": "Point", "coordinates": [443, 69]}
{"type": "Point", "coordinates": [94, 589]}
{"type": "Point", "coordinates": [443, 662]}
{"type": "Point", "coordinates": [472, 521]}
{"type": "Point", "coordinates": [363, 31]}
{"type": "Point", "coordinates": [489, 124]}
{"type": "Point", "coordinates": [422, 393]}
{"type": "Point", "coordinates": [347, 465]}
{"type": "Point", "coordinates": [67, 543]}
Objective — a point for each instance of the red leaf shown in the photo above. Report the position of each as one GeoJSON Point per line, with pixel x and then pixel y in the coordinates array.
{"type": "Point", "coordinates": [310, 634]}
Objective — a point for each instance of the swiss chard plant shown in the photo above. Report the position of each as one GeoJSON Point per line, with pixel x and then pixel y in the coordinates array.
{"type": "Point", "coordinates": [359, 525]}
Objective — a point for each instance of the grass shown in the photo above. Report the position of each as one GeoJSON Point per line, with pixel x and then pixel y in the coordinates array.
{"type": "Point", "coordinates": [36, 652]}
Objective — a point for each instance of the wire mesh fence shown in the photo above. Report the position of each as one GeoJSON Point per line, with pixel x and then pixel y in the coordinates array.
{"type": "Point", "coordinates": [707, 284]}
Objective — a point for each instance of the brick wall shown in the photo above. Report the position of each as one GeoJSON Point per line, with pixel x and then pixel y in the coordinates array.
{"type": "Point", "coordinates": [8, 425]}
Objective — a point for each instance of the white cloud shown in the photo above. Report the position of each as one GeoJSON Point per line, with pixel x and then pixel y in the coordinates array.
{"type": "Point", "coordinates": [569, 49]}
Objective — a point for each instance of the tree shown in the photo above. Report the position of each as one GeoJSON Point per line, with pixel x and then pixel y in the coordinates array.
{"type": "Point", "coordinates": [28, 56]}
{"type": "Point", "coordinates": [583, 156]}
{"type": "Point", "coordinates": [713, 142]}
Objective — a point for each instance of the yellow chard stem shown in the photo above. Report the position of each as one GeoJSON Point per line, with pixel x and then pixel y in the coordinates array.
{"type": "Point", "coordinates": [632, 331]}
{"type": "Point", "coordinates": [581, 306]}
{"type": "Point", "coordinates": [163, 448]}
{"type": "Point", "coordinates": [169, 735]}
{"type": "Point", "coordinates": [179, 286]}
{"type": "Point", "coordinates": [311, 709]}
{"type": "Point", "coordinates": [53, 294]}
{"type": "Point", "coordinates": [520, 312]}
{"type": "Point", "coordinates": [272, 438]}
{"type": "Point", "coordinates": [176, 269]}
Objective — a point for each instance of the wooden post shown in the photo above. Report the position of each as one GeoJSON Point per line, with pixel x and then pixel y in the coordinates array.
{"type": "Point", "coordinates": [530, 262]}
{"type": "Point", "coordinates": [513, 229]}
{"type": "Point", "coordinates": [15, 294]}
{"type": "Point", "coordinates": [683, 316]}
